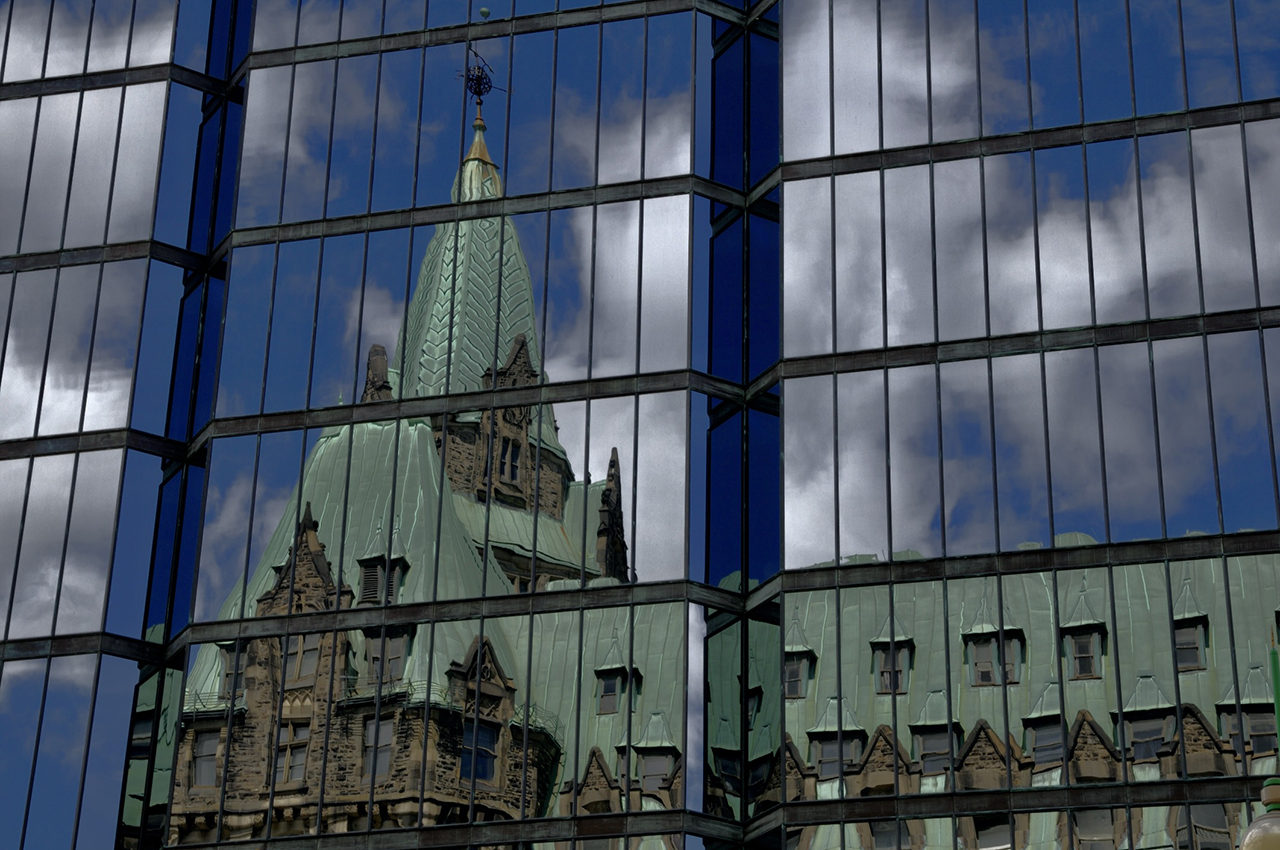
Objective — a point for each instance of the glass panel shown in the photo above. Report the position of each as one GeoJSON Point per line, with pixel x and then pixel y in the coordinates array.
{"type": "Point", "coordinates": [958, 257]}
{"type": "Point", "coordinates": [17, 126]}
{"type": "Point", "coordinates": [21, 689]}
{"type": "Point", "coordinates": [1244, 451]}
{"type": "Point", "coordinates": [87, 560]}
{"type": "Point", "coordinates": [44, 532]}
{"type": "Point", "coordinates": [67, 368]}
{"type": "Point", "coordinates": [1261, 137]}
{"type": "Point", "coordinates": [908, 256]}
{"type": "Point", "coordinates": [1002, 51]}
{"type": "Point", "coordinates": [133, 193]}
{"type": "Point", "coordinates": [91, 175]}
{"type": "Point", "coordinates": [1211, 61]}
{"type": "Point", "coordinates": [856, 68]}
{"type": "Point", "coordinates": [807, 254]}
{"type": "Point", "coordinates": [1104, 60]}
{"type": "Point", "coordinates": [1013, 290]}
{"type": "Point", "coordinates": [1055, 86]}
{"type": "Point", "coordinates": [263, 147]}
{"type": "Point", "coordinates": [115, 344]}
{"type": "Point", "coordinates": [809, 472]}
{"type": "Point", "coordinates": [953, 70]}
{"type": "Point", "coordinates": [1226, 260]}
{"type": "Point", "coordinates": [859, 301]}
{"type": "Point", "coordinates": [664, 284]}
{"type": "Point", "coordinates": [966, 458]}
{"type": "Point", "coordinates": [914, 469]}
{"type": "Point", "coordinates": [1020, 439]}
{"type": "Point", "coordinates": [64, 729]}
{"type": "Point", "coordinates": [51, 172]}
{"type": "Point", "coordinates": [904, 35]}
{"type": "Point", "coordinates": [1063, 237]}
{"type": "Point", "coordinates": [1075, 455]}
{"type": "Point", "coordinates": [292, 318]}
{"type": "Point", "coordinates": [1186, 451]}
{"type": "Point", "coordinates": [1114, 232]}
{"type": "Point", "coordinates": [1129, 440]}
{"type": "Point", "coordinates": [807, 73]}
{"type": "Point", "coordinates": [658, 549]}
{"type": "Point", "coordinates": [616, 290]}
{"type": "Point", "coordinates": [1158, 71]}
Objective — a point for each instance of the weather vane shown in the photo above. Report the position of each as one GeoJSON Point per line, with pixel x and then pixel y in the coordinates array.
{"type": "Point", "coordinates": [478, 74]}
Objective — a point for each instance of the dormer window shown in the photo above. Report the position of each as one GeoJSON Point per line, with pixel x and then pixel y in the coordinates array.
{"type": "Point", "coordinates": [1260, 731]}
{"type": "Point", "coordinates": [654, 770]}
{"type": "Point", "coordinates": [986, 660]}
{"type": "Point", "coordinates": [1046, 743]}
{"type": "Point", "coordinates": [892, 669]}
{"type": "Point", "coordinates": [933, 749]}
{"type": "Point", "coordinates": [509, 460]}
{"type": "Point", "coordinates": [1084, 654]}
{"type": "Point", "coordinates": [1189, 644]}
{"type": "Point", "coordinates": [830, 754]}
{"type": "Point", "coordinates": [795, 676]}
{"type": "Point", "coordinates": [1146, 737]}
{"type": "Point", "coordinates": [380, 584]}
{"type": "Point", "coordinates": [610, 687]}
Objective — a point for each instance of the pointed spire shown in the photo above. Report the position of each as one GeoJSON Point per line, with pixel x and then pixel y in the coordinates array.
{"type": "Point", "coordinates": [479, 150]}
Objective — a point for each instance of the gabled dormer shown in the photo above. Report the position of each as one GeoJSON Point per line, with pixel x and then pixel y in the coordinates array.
{"type": "Point", "coordinates": [1083, 636]}
{"type": "Point", "coordinates": [304, 582]}
{"type": "Point", "coordinates": [799, 661]}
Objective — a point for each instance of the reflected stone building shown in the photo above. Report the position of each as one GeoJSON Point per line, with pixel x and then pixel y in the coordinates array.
{"type": "Point", "coordinates": [400, 721]}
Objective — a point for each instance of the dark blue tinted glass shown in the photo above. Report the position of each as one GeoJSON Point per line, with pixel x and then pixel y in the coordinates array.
{"type": "Point", "coordinates": [185, 368]}
{"type": "Point", "coordinates": [1157, 56]}
{"type": "Point", "coordinates": [206, 384]}
{"type": "Point", "coordinates": [1055, 86]}
{"type": "Point", "coordinates": [156, 347]}
{"type": "Point", "coordinates": [184, 579]}
{"type": "Point", "coordinates": [765, 298]}
{"type": "Point", "coordinates": [724, 499]}
{"type": "Point", "coordinates": [765, 112]}
{"type": "Point", "coordinates": [206, 176]}
{"type": "Point", "coordinates": [225, 203]}
{"type": "Point", "coordinates": [1104, 60]}
{"type": "Point", "coordinates": [726, 302]}
{"type": "Point", "coordinates": [727, 105]}
{"type": "Point", "coordinates": [764, 492]}
{"type": "Point", "coordinates": [162, 560]}
{"type": "Point", "coordinates": [177, 168]}
{"type": "Point", "coordinates": [135, 531]}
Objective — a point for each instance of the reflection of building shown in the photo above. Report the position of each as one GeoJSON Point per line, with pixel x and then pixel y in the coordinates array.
{"type": "Point", "coordinates": [1054, 681]}
{"type": "Point", "coordinates": [395, 723]}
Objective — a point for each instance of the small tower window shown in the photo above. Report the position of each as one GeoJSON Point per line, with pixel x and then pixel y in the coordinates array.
{"type": "Point", "coordinates": [509, 460]}
{"type": "Point", "coordinates": [385, 659]}
{"type": "Point", "coordinates": [377, 749]}
{"type": "Point", "coordinates": [479, 751]}
{"type": "Point", "coordinates": [204, 762]}
{"type": "Point", "coordinates": [233, 664]}
{"type": "Point", "coordinates": [291, 751]}
{"type": "Point", "coordinates": [302, 652]}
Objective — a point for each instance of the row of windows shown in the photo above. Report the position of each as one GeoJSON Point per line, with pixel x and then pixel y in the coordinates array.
{"type": "Point", "coordinates": [964, 70]}
{"type": "Point", "coordinates": [1113, 231]}
{"type": "Point", "coordinates": [1120, 443]}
